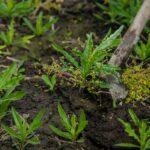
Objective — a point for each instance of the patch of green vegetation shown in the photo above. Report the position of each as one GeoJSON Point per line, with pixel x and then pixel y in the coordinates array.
{"type": "Point", "coordinates": [23, 133]}
{"type": "Point", "coordinates": [119, 11]}
{"type": "Point", "coordinates": [51, 82]}
{"type": "Point", "coordinates": [72, 126]}
{"type": "Point", "coordinates": [141, 135]}
{"type": "Point", "coordinates": [9, 80]}
{"type": "Point", "coordinates": [143, 50]}
{"type": "Point", "coordinates": [85, 73]}
{"type": "Point", "coordinates": [9, 38]}
{"type": "Point", "coordinates": [13, 8]}
{"type": "Point", "coordinates": [40, 28]}
{"type": "Point", "coordinates": [137, 79]}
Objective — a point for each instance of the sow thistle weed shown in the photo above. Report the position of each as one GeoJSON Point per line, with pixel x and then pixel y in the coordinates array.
{"type": "Point", "coordinates": [119, 11]}
{"type": "Point", "coordinates": [40, 28]}
{"type": "Point", "coordinates": [141, 135]}
{"type": "Point", "coordinates": [50, 82]}
{"type": "Point", "coordinates": [143, 50]}
{"type": "Point", "coordinates": [9, 80]}
{"type": "Point", "coordinates": [23, 133]}
{"type": "Point", "coordinates": [13, 8]}
{"type": "Point", "coordinates": [73, 127]}
{"type": "Point", "coordinates": [9, 38]}
{"type": "Point", "coordinates": [91, 60]}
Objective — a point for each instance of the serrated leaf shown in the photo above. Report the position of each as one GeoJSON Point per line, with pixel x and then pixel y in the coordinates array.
{"type": "Point", "coordinates": [66, 54]}
{"type": "Point", "coordinates": [130, 131]}
{"type": "Point", "coordinates": [134, 117]}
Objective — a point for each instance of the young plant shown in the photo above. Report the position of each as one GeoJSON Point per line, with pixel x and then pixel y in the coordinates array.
{"type": "Point", "coordinates": [91, 56]}
{"type": "Point", "coordinates": [119, 11]}
{"type": "Point", "coordinates": [51, 82]}
{"type": "Point", "coordinates": [143, 50]}
{"type": "Point", "coordinates": [141, 136]}
{"type": "Point", "coordinates": [22, 133]}
{"type": "Point", "coordinates": [40, 28]}
{"type": "Point", "coordinates": [85, 67]}
{"type": "Point", "coordinates": [13, 8]}
{"type": "Point", "coordinates": [73, 127]}
{"type": "Point", "coordinates": [9, 80]}
{"type": "Point", "coordinates": [9, 38]}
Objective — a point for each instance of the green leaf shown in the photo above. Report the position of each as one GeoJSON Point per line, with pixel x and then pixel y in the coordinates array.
{"type": "Point", "coordinates": [64, 118]}
{"type": "Point", "coordinates": [86, 57]}
{"type": "Point", "coordinates": [129, 130]}
{"type": "Point", "coordinates": [127, 145]}
{"type": "Point", "coordinates": [50, 82]}
{"type": "Point", "coordinates": [134, 117]}
{"type": "Point", "coordinates": [36, 123]}
{"type": "Point", "coordinates": [39, 24]}
{"type": "Point", "coordinates": [49, 24]}
{"type": "Point", "coordinates": [73, 121]}
{"type": "Point", "coordinates": [66, 54]}
{"type": "Point", "coordinates": [34, 140]}
{"type": "Point", "coordinates": [108, 42]}
{"type": "Point", "coordinates": [13, 96]}
{"type": "Point", "coordinates": [2, 46]}
{"type": "Point", "coordinates": [46, 80]}
{"type": "Point", "coordinates": [19, 122]}
{"type": "Point", "coordinates": [60, 133]}
{"type": "Point", "coordinates": [82, 123]}
{"type": "Point", "coordinates": [11, 132]}
{"type": "Point", "coordinates": [80, 140]}
{"type": "Point", "coordinates": [29, 24]}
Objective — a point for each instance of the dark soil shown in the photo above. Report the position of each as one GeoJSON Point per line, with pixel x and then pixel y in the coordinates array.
{"type": "Point", "coordinates": [103, 129]}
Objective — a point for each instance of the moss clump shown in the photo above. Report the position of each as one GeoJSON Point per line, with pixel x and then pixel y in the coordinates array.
{"type": "Point", "coordinates": [137, 79]}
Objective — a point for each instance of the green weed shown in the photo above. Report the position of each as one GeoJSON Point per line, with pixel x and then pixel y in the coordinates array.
{"type": "Point", "coordinates": [9, 38]}
{"type": "Point", "coordinates": [87, 70]}
{"type": "Point", "coordinates": [40, 28]}
{"type": "Point", "coordinates": [9, 80]}
{"type": "Point", "coordinates": [119, 11]}
{"type": "Point", "coordinates": [143, 50]}
{"type": "Point", "coordinates": [12, 8]}
{"type": "Point", "coordinates": [141, 136]}
{"type": "Point", "coordinates": [72, 126]}
{"type": "Point", "coordinates": [51, 82]}
{"type": "Point", "coordinates": [22, 133]}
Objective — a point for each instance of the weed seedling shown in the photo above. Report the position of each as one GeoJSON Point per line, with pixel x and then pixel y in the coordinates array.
{"type": "Point", "coordinates": [13, 8]}
{"type": "Point", "coordinates": [51, 82]}
{"type": "Point", "coordinates": [91, 61]}
{"type": "Point", "coordinates": [119, 11]}
{"type": "Point", "coordinates": [72, 126]}
{"type": "Point", "coordinates": [40, 28]}
{"type": "Point", "coordinates": [9, 38]}
{"type": "Point", "coordinates": [141, 136]}
{"type": "Point", "coordinates": [91, 55]}
{"type": "Point", "coordinates": [22, 133]}
{"type": "Point", "coordinates": [143, 50]}
{"type": "Point", "coordinates": [9, 80]}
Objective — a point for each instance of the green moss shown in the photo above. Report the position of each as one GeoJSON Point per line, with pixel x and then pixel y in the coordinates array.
{"type": "Point", "coordinates": [137, 79]}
